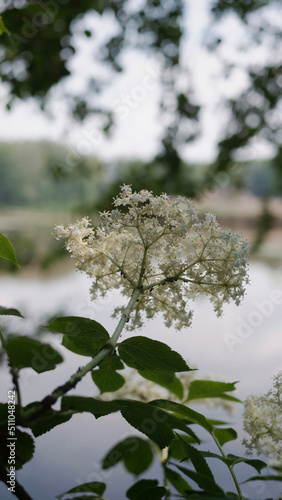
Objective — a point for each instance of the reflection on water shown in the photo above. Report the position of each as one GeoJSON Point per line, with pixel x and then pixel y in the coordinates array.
{"type": "Point", "coordinates": [245, 345]}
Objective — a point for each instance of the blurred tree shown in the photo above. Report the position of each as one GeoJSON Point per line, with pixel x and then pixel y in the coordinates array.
{"type": "Point", "coordinates": [11, 180]}
{"type": "Point", "coordinates": [37, 56]}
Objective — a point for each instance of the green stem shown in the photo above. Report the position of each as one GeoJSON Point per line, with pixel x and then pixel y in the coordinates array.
{"type": "Point", "coordinates": [230, 467]}
{"type": "Point", "coordinates": [125, 317]}
{"type": "Point", "coordinates": [14, 373]}
{"type": "Point", "coordinates": [108, 349]}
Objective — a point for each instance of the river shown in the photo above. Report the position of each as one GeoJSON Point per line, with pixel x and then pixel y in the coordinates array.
{"type": "Point", "coordinates": [244, 345]}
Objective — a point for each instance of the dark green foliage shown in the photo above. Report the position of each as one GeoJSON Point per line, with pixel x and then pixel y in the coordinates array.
{"type": "Point", "coordinates": [38, 34]}
{"type": "Point", "coordinates": [176, 449]}
{"type": "Point", "coordinates": [232, 460]}
{"type": "Point", "coordinates": [178, 409]}
{"type": "Point", "coordinates": [24, 352]}
{"type": "Point", "coordinates": [7, 311]}
{"type": "Point", "coordinates": [134, 452]}
{"type": "Point", "coordinates": [98, 408]}
{"type": "Point", "coordinates": [81, 335]}
{"type": "Point", "coordinates": [146, 354]}
{"type": "Point", "coordinates": [269, 477]}
{"type": "Point", "coordinates": [146, 489]}
{"type": "Point", "coordinates": [48, 421]}
{"type": "Point", "coordinates": [7, 250]}
{"type": "Point", "coordinates": [177, 481]}
{"type": "Point", "coordinates": [205, 482]}
{"type": "Point", "coordinates": [165, 379]}
{"type": "Point", "coordinates": [23, 445]}
{"type": "Point", "coordinates": [149, 420]}
{"type": "Point", "coordinates": [204, 476]}
{"type": "Point", "coordinates": [85, 497]}
{"type": "Point", "coordinates": [199, 389]}
{"type": "Point", "coordinates": [225, 435]}
{"type": "Point", "coordinates": [94, 487]}
{"type": "Point", "coordinates": [106, 377]}
{"type": "Point", "coordinates": [3, 28]}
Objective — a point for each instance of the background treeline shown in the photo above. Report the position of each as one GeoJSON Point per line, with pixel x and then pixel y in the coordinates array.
{"type": "Point", "coordinates": [47, 175]}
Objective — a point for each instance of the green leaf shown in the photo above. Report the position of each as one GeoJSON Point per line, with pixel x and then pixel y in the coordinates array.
{"type": "Point", "coordinates": [6, 248]}
{"type": "Point", "coordinates": [165, 379]}
{"type": "Point", "coordinates": [146, 418]}
{"type": "Point", "coordinates": [3, 28]}
{"type": "Point", "coordinates": [146, 489]}
{"type": "Point", "coordinates": [180, 409]}
{"type": "Point", "coordinates": [182, 424]}
{"type": "Point", "coordinates": [79, 404]}
{"type": "Point", "coordinates": [201, 495]}
{"type": "Point", "coordinates": [149, 420]}
{"type": "Point", "coordinates": [25, 352]}
{"type": "Point", "coordinates": [177, 481]}
{"type": "Point", "coordinates": [203, 481]}
{"type": "Point", "coordinates": [85, 497]}
{"type": "Point", "coordinates": [269, 477]}
{"type": "Point", "coordinates": [106, 378]}
{"type": "Point", "coordinates": [51, 419]}
{"type": "Point", "coordinates": [197, 459]}
{"type": "Point", "coordinates": [225, 435]}
{"type": "Point", "coordinates": [94, 487]}
{"type": "Point", "coordinates": [255, 463]}
{"type": "Point", "coordinates": [233, 460]}
{"type": "Point", "coordinates": [147, 354]}
{"type": "Point", "coordinates": [23, 447]}
{"type": "Point", "coordinates": [199, 389]}
{"type": "Point", "coordinates": [135, 452]}
{"type": "Point", "coordinates": [7, 311]}
{"type": "Point", "coordinates": [213, 421]}
{"type": "Point", "coordinates": [176, 449]}
{"type": "Point", "coordinates": [83, 336]}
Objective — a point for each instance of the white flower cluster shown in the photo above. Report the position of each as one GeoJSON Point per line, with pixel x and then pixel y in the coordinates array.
{"type": "Point", "coordinates": [158, 245]}
{"type": "Point", "coordinates": [140, 389]}
{"type": "Point", "coordinates": [263, 422]}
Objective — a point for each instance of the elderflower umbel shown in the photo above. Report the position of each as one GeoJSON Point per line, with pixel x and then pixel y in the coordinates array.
{"type": "Point", "coordinates": [263, 422]}
{"type": "Point", "coordinates": [158, 245]}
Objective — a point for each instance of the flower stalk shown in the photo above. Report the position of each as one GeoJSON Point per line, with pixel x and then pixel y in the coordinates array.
{"type": "Point", "coordinates": [230, 467]}
{"type": "Point", "coordinates": [108, 349]}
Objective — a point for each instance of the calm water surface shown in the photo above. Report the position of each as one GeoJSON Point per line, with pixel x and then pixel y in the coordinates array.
{"type": "Point", "coordinates": [245, 345]}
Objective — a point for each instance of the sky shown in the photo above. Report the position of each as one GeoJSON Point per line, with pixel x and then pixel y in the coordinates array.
{"type": "Point", "coordinates": [135, 95]}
